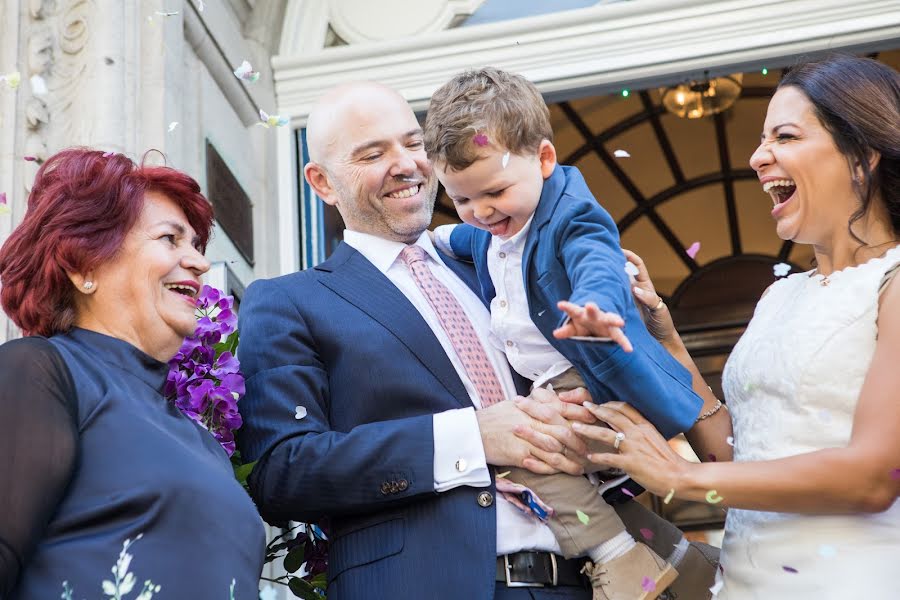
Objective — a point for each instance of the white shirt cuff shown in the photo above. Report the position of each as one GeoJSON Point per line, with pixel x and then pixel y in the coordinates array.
{"type": "Point", "coordinates": [442, 239]}
{"type": "Point", "coordinates": [458, 453]}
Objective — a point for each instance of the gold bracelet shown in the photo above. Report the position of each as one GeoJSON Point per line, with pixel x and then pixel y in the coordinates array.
{"type": "Point", "coordinates": [711, 411]}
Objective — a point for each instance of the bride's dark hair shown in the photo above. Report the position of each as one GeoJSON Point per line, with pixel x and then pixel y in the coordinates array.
{"type": "Point", "coordinates": [857, 100]}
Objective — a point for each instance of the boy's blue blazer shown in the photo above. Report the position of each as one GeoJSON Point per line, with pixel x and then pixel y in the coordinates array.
{"type": "Point", "coordinates": [573, 244]}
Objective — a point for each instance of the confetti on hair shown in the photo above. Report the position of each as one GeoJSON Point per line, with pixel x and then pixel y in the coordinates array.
{"type": "Point", "coordinates": [895, 474]}
{"type": "Point", "coordinates": [300, 412]}
{"type": "Point", "coordinates": [648, 585]}
{"type": "Point", "coordinates": [781, 269]}
{"type": "Point", "coordinates": [826, 551]}
{"type": "Point", "coordinates": [730, 441]}
{"type": "Point", "coordinates": [713, 498]}
{"type": "Point", "coordinates": [272, 120]}
{"type": "Point", "coordinates": [627, 492]}
{"type": "Point", "coordinates": [505, 160]}
{"type": "Point", "coordinates": [172, 126]}
{"type": "Point", "coordinates": [4, 208]}
{"type": "Point", "coordinates": [38, 85]}
{"type": "Point", "coordinates": [245, 72]}
{"type": "Point", "coordinates": [647, 533]}
{"type": "Point", "coordinates": [631, 269]}
{"type": "Point", "coordinates": [693, 249]}
{"type": "Point", "coordinates": [12, 79]}
{"type": "Point", "coordinates": [621, 154]}
{"type": "Point", "coordinates": [669, 496]}
{"type": "Point", "coordinates": [480, 139]}
{"type": "Point", "coordinates": [583, 517]}
{"type": "Point", "coordinates": [167, 13]}
{"type": "Point", "coordinates": [788, 569]}
{"type": "Point", "coordinates": [503, 474]}
{"type": "Point", "coordinates": [108, 154]}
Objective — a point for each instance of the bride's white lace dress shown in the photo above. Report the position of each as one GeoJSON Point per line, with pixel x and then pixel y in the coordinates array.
{"type": "Point", "coordinates": [792, 384]}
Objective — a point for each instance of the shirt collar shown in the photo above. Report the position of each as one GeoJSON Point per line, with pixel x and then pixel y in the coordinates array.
{"type": "Point", "coordinates": [384, 253]}
{"type": "Point", "coordinates": [517, 241]}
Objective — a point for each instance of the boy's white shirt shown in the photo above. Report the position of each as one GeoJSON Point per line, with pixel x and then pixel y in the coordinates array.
{"type": "Point", "coordinates": [512, 330]}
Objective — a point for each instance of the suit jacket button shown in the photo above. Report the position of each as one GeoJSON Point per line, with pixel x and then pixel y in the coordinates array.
{"type": "Point", "coordinates": [485, 499]}
{"type": "Point", "coordinates": [403, 485]}
{"type": "Point", "coordinates": [386, 488]}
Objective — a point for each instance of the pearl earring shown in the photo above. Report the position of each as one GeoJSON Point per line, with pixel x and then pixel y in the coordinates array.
{"type": "Point", "coordinates": [88, 285]}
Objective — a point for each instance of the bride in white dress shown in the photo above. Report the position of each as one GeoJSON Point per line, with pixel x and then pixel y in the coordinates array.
{"type": "Point", "coordinates": [813, 386]}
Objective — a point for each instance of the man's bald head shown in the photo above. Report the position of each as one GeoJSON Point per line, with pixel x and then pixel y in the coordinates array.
{"type": "Point", "coordinates": [334, 109]}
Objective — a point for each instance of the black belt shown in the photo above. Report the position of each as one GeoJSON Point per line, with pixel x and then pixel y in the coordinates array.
{"type": "Point", "coordinates": [537, 569]}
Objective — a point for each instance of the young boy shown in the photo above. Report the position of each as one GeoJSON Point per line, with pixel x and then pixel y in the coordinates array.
{"type": "Point", "coordinates": [540, 237]}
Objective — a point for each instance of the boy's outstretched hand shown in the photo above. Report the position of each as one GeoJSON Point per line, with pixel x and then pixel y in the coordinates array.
{"type": "Point", "coordinates": [591, 322]}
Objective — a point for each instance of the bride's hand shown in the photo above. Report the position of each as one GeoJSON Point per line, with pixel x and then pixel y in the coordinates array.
{"type": "Point", "coordinates": [657, 317]}
{"type": "Point", "coordinates": [643, 453]}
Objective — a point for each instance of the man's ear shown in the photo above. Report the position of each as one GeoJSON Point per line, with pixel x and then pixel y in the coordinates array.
{"type": "Point", "coordinates": [83, 282]}
{"type": "Point", "coordinates": [317, 177]}
{"type": "Point", "coordinates": [547, 156]}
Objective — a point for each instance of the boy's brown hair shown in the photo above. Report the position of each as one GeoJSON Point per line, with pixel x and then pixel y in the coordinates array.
{"type": "Point", "coordinates": [504, 107]}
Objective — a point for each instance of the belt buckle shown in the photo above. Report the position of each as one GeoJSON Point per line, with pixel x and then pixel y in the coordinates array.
{"type": "Point", "coordinates": [521, 584]}
{"type": "Point", "coordinates": [554, 570]}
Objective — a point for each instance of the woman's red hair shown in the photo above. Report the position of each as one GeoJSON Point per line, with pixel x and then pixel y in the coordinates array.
{"type": "Point", "coordinates": [83, 204]}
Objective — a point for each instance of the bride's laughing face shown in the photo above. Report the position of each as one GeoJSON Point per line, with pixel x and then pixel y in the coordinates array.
{"type": "Point", "coordinates": [808, 179]}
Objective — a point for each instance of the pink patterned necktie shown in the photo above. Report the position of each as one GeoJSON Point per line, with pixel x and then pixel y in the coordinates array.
{"type": "Point", "coordinates": [457, 325]}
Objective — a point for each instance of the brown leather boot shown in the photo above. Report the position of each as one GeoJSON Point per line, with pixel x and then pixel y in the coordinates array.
{"type": "Point", "coordinates": [623, 578]}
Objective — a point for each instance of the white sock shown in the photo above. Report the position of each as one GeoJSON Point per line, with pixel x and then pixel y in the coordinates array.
{"type": "Point", "coordinates": [612, 548]}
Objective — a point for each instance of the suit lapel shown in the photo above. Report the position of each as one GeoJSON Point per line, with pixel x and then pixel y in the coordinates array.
{"type": "Point", "coordinates": [550, 195]}
{"type": "Point", "coordinates": [357, 281]}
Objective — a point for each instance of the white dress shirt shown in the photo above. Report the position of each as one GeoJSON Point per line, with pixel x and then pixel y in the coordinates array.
{"type": "Point", "coordinates": [458, 453]}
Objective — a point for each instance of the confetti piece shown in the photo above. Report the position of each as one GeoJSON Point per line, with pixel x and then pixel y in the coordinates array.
{"type": "Point", "coordinates": [647, 533]}
{"type": "Point", "coordinates": [172, 126]}
{"type": "Point", "coordinates": [202, 6]}
{"type": "Point", "coordinates": [781, 269]}
{"type": "Point", "coordinates": [272, 120]}
{"type": "Point", "coordinates": [627, 492]}
{"type": "Point", "coordinates": [38, 85]}
{"type": "Point", "coordinates": [505, 160]}
{"type": "Point", "coordinates": [669, 496]}
{"type": "Point", "coordinates": [167, 14]}
{"type": "Point", "coordinates": [12, 79]}
{"type": "Point", "coordinates": [693, 249]}
{"type": "Point", "coordinates": [711, 457]}
{"type": "Point", "coordinates": [480, 139]}
{"type": "Point", "coordinates": [895, 474]}
{"type": "Point", "coordinates": [299, 412]}
{"type": "Point", "coordinates": [150, 20]}
{"type": "Point", "coordinates": [826, 551]}
{"type": "Point", "coordinates": [713, 498]}
{"type": "Point", "coordinates": [730, 441]}
{"type": "Point", "coordinates": [4, 208]}
{"type": "Point", "coordinates": [717, 587]}
{"type": "Point", "coordinates": [245, 72]}
{"type": "Point", "coordinates": [621, 154]}
{"type": "Point", "coordinates": [503, 474]}
{"type": "Point", "coordinates": [631, 269]}
{"type": "Point", "coordinates": [583, 517]}
{"type": "Point", "coordinates": [30, 158]}
{"type": "Point", "coordinates": [108, 154]}
{"type": "Point", "coordinates": [268, 592]}
{"type": "Point", "coordinates": [648, 585]}
{"type": "Point", "coordinates": [789, 569]}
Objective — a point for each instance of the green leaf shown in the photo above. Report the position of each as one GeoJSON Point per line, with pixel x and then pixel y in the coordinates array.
{"type": "Point", "coordinates": [303, 589]}
{"type": "Point", "coordinates": [242, 472]}
{"type": "Point", "coordinates": [320, 581]}
{"type": "Point", "coordinates": [232, 342]}
{"type": "Point", "coordinates": [294, 559]}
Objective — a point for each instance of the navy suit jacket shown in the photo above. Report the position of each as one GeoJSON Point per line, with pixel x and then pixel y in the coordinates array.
{"type": "Point", "coordinates": [572, 252]}
{"type": "Point", "coordinates": [343, 342]}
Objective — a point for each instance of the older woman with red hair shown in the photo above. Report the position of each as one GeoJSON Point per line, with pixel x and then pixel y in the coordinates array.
{"type": "Point", "coordinates": [99, 470]}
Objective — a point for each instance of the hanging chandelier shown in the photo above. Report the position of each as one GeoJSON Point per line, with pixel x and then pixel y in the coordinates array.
{"type": "Point", "coordinates": [697, 99]}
